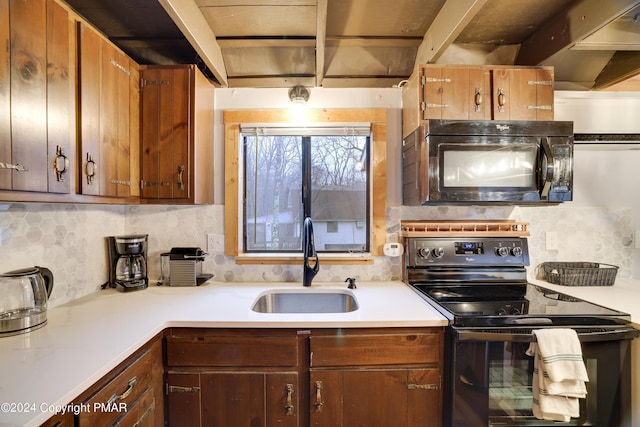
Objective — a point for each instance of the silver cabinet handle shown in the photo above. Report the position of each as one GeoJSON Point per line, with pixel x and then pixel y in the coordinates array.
{"type": "Point", "coordinates": [90, 169]}
{"type": "Point", "coordinates": [115, 398]}
{"type": "Point", "coordinates": [502, 100]}
{"type": "Point", "coordinates": [60, 164]}
{"type": "Point", "coordinates": [319, 403]}
{"type": "Point", "coordinates": [181, 169]}
{"type": "Point", "coordinates": [478, 99]}
{"type": "Point", "coordinates": [288, 407]}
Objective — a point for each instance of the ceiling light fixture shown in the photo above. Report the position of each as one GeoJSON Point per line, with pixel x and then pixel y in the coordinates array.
{"type": "Point", "coordinates": [298, 94]}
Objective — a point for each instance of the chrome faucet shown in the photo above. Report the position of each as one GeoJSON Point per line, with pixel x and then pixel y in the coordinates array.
{"type": "Point", "coordinates": [311, 264]}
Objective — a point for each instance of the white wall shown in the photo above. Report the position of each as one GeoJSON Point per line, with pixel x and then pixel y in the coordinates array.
{"type": "Point", "coordinates": [605, 174]}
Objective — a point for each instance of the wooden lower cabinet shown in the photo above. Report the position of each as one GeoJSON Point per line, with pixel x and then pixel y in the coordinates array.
{"type": "Point", "coordinates": [235, 398]}
{"type": "Point", "coordinates": [376, 377]}
{"type": "Point", "coordinates": [233, 378]}
{"type": "Point", "coordinates": [291, 378]}
{"type": "Point", "coordinates": [375, 397]}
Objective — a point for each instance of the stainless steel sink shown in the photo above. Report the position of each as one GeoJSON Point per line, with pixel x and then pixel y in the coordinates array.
{"type": "Point", "coordinates": [305, 301]}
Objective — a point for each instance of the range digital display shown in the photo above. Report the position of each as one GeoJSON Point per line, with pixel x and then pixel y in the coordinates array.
{"type": "Point", "coordinates": [469, 248]}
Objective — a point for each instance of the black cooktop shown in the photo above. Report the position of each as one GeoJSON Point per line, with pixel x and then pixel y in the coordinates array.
{"type": "Point", "coordinates": [514, 304]}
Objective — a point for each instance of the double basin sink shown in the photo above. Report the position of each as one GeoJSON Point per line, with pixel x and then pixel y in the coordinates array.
{"type": "Point", "coordinates": [305, 301]}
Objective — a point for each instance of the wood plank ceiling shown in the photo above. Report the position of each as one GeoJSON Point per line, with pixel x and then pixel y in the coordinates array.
{"type": "Point", "coordinates": [374, 43]}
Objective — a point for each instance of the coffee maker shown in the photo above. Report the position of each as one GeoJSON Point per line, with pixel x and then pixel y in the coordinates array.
{"type": "Point", "coordinates": [128, 262]}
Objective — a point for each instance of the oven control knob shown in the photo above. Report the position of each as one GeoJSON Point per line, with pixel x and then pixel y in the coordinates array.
{"type": "Point", "coordinates": [517, 251]}
{"type": "Point", "coordinates": [514, 311]}
{"type": "Point", "coordinates": [502, 251]}
{"type": "Point", "coordinates": [501, 312]}
{"type": "Point", "coordinates": [424, 252]}
{"type": "Point", "coordinates": [438, 252]}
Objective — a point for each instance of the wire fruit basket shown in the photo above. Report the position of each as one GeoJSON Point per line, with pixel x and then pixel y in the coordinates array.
{"type": "Point", "coordinates": [580, 273]}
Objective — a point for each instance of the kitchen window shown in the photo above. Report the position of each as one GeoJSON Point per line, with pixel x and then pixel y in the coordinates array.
{"type": "Point", "coordinates": [291, 173]}
{"type": "Point", "coordinates": [330, 166]}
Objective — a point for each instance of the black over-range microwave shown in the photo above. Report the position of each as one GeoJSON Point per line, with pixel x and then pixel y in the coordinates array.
{"type": "Point", "coordinates": [463, 161]}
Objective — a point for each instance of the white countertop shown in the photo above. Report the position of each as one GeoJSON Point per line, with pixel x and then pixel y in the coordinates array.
{"type": "Point", "coordinates": [624, 295]}
{"type": "Point", "coordinates": [86, 338]}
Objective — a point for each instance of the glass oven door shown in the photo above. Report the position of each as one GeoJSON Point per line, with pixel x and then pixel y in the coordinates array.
{"type": "Point", "coordinates": [490, 383]}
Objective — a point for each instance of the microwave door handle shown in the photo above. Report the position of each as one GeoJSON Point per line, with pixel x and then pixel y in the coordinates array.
{"type": "Point", "coordinates": [548, 173]}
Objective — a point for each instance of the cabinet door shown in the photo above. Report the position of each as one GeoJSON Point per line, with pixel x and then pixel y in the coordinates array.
{"type": "Point", "coordinates": [105, 85]}
{"type": "Point", "coordinates": [544, 83]}
{"type": "Point", "coordinates": [166, 133]}
{"type": "Point", "coordinates": [28, 59]}
{"type": "Point", "coordinates": [387, 397]}
{"type": "Point", "coordinates": [108, 118]}
{"type": "Point", "coordinates": [523, 93]}
{"type": "Point", "coordinates": [114, 123]}
{"type": "Point", "coordinates": [183, 399]}
{"type": "Point", "coordinates": [413, 102]}
{"type": "Point", "coordinates": [90, 60]}
{"type": "Point", "coordinates": [258, 399]}
{"type": "Point", "coordinates": [5, 99]}
{"type": "Point", "coordinates": [447, 93]}
{"type": "Point", "coordinates": [60, 93]}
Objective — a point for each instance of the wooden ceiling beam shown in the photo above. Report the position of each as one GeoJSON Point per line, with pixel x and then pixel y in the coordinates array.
{"type": "Point", "coordinates": [321, 35]}
{"type": "Point", "coordinates": [623, 65]}
{"type": "Point", "coordinates": [451, 20]}
{"type": "Point", "coordinates": [189, 19]}
{"type": "Point", "coordinates": [580, 20]}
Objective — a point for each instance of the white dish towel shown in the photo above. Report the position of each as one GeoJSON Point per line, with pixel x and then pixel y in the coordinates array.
{"type": "Point", "coordinates": [559, 374]}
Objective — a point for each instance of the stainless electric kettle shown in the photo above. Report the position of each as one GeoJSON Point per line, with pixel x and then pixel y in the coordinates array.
{"type": "Point", "coordinates": [23, 299]}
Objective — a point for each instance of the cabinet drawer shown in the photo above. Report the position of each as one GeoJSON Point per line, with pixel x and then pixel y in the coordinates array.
{"type": "Point", "coordinates": [367, 350]}
{"type": "Point", "coordinates": [226, 351]}
{"type": "Point", "coordinates": [142, 413]}
{"type": "Point", "coordinates": [119, 395]}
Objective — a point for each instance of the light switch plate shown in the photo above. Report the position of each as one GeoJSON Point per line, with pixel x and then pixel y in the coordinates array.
{"type": "Point", "coordinates": [215, 242]}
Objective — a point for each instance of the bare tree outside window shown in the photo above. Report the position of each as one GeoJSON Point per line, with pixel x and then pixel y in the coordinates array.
{"type": "Point", "coordinates": [338, 201]}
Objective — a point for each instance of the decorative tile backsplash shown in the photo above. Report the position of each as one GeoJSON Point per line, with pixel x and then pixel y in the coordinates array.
{"type": "Point", "coordinates": [70, 240]}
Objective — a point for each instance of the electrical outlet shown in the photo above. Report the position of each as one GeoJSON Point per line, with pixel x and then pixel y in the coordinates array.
{"type": "Point", "coordinates": [215, 242]}
{"type": "Point", "coordinates": [636, 239]}
{"type": "Point", "coordinates": [551, 241]}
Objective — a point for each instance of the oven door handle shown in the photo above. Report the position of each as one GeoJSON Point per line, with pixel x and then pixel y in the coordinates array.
{"type": "Point", "coordinates": [508, 334]}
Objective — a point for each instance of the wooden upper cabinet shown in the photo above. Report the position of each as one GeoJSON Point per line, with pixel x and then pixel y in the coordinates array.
{"type": "Point", "coordinates": [456, 92]}
{"type": "Point", "coordinates": [28, 32]}
{"type": "Point", "coordinates": [523, 93]}
{"type": "Point", "coordinates": [36, 96]}
{"type": "Point", "coordinates": [61, 97]}
{"type": "Point", "coordinates": [461, 92]}
{"type": "Point", "coordinates": [177, 135]}
{"type": "Point", "coordinates": [108, 114]}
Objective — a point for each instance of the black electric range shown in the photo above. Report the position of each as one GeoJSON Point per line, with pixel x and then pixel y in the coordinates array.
{"type": "Point", "coordinates": [482, 282]}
